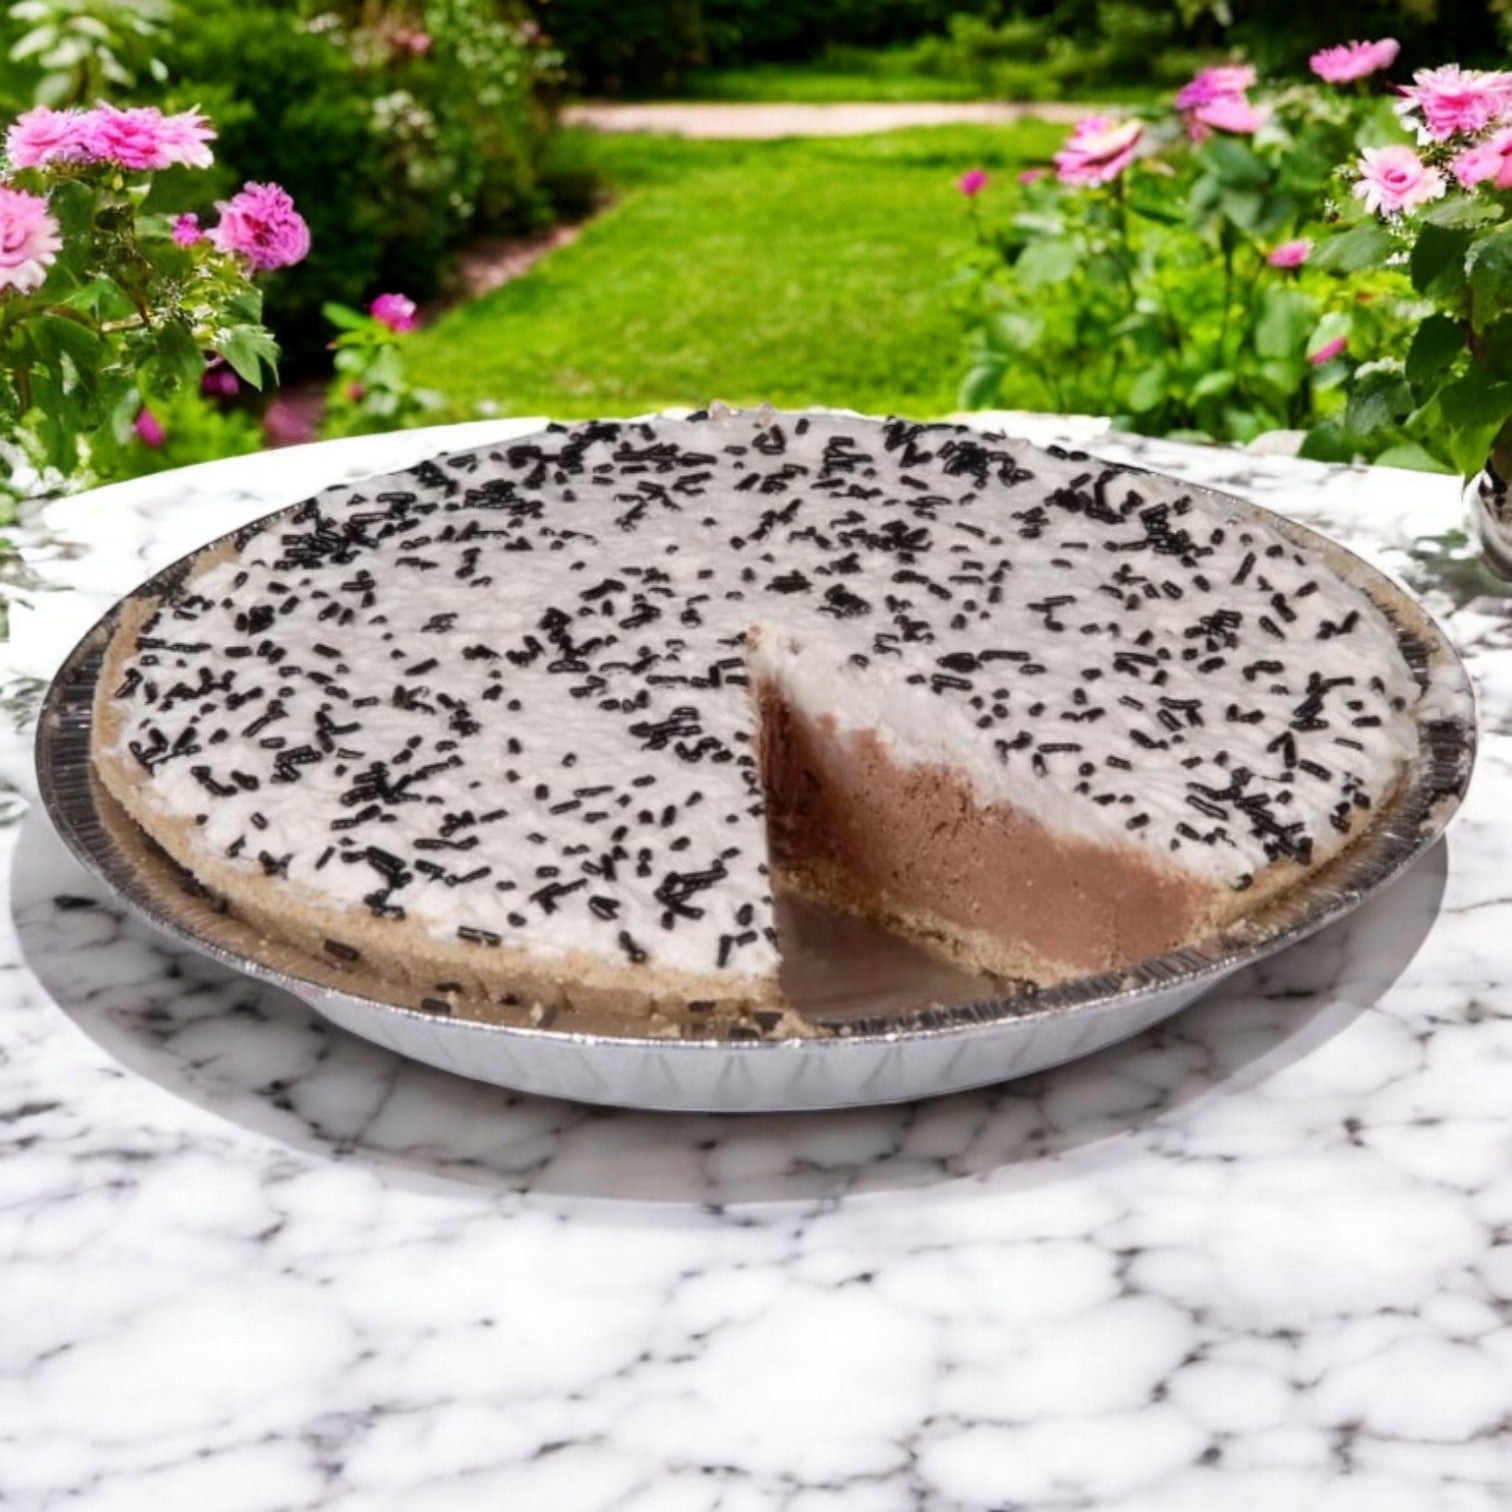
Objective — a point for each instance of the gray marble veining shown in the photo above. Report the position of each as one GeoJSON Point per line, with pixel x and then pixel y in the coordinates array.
{"type": "Point", "coordinates": [1258, 1258]}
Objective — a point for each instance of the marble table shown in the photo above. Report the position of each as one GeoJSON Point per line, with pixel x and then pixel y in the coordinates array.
{"type": "Point", "coordinates": [1258, 1258]}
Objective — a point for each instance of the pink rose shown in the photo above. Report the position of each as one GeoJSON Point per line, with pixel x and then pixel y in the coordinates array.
{"type": "Point", "coordinates": [1327, 352]}
{"type": "Point", "coordinates": [1395, 179]}
{"type": "Point", "coordinates": [262, 225]}
{"type": "Point", "coordinates": [149, 429]}
{"type": "Point", "coordinates": [187, 230]}
{"type": "Point", "coordinates": [29, 240]}
{"type": "Point", "coordinates": [1214, 84]}
{"type": "Point", "coordinates": [972, 182]}
{"type": "Point", "coordinates": [1491, 159]}
{"type": "Point", "coordinates": [1289, 254]}
{"type": "Point", "coordinates": [1457, 101]}
{"type": "Point", "coordinates": [396, 311]}
{"type": "Point", "coordinates": [1098, 150]}
{"type": "Point", "coordinates": [1354, 60]}
{"type": "Point", "coordinates": [43, 136]}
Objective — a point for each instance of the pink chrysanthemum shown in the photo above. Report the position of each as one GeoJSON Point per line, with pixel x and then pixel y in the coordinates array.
{"type": "Point", "coordinates": [1328, 351]}
{"type": "Point", "coordinates": [396, 311]}
{"type": "Point", "coordinates": [1289, 254]}
{"type": "Point", "coordinates": [42, 136]}
{"type": "Point", "coordinates": [1395, 179]}
{"type": "Point", "coordinates": [1455, 101]}
{"type": "Point", "coordinates": [185, 137]}
{"type": "Point", "coordinates": [1214, 84]}
{"type": "Point", "coordinates": [1354, 60]}
{"type": "Point", "coordinates": [1227, 113]}
{"type": "Point", "coordinates": [262, 225]}
{"type": "Point", "coordinates": [187, 230]}
{"type": "Point", "coordinates": [143, 139]}
{"type": "Point", "coordinates": [1488, 160]}
{"type": "Point", "coordinates": [29, 240]}
{"type": "Point", "coordinates": [1032, 175]}
{"type": "Point", "coordinates": [972, 182]}
{"type": "Point", "coordinates": [1098, 150]}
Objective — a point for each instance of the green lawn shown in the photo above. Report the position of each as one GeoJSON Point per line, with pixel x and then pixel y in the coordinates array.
{"type": "Point", "coordinates": [808, 271]}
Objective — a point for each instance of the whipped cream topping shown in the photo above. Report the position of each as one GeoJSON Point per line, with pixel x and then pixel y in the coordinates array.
{"type": "Point", "coordinates": [506, 693]}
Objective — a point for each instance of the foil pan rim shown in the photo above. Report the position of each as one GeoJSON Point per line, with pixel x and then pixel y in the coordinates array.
{"type": "Point", "coordinates": [1432, 795]}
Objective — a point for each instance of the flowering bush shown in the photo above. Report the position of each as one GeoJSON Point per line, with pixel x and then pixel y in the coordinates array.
{"type": "Point", "coordinates": [107, 305]}
{"type": "Point", "coordinates": [1322, 257]}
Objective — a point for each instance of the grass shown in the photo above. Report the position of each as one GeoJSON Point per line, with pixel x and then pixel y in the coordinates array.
{"type": "Point", "coordinates": [810, 271]}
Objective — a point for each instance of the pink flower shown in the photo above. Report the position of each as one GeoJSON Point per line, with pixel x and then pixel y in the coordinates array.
{"type": "Point", "coordinates": [219, 381]}
{"type": "Point", "coordinates": [43, 136]}
{"type": "Point", "coordinates": [1354, 60]}
{"type": "Point", "coordinates": [1327, 352]}
{"type": "Point", "coordinates": [418, 42]}
{"type": "Point", "coordinates": [1395, 179]}
{"type": "Point", "coordinates": [356, 392]}
{"type": "Point", "coordinates": [284, 425]}
{"type": "Point", "coordinates": [1212, 84]}
{"type": "Point", "coordinates": [184, 137]}
{"type": "Point", "coordinates": [1032, 175]}
{"type": "Point", "coordinates": [1289, 254]}
{"type": "Point", "coordinates": [1098, 150]}
{"type": "Point", "coordinates": [1457, 101]}
{"type": "Point", "coordinates": [396, 311]}
{"type": "Point", "coordinates": [29, 240]}
{"type": "Point", "coordinates": [1226, 113]}
{"type": "Point", "coordinates": [187, 230]}
{"type": "Point", "coordinates": [972, 182]}
{"type": "Point", "coordinates": [148, 428]}
{"type": "Point", "coordinates": [262, 225]}
{"type": "Point", "coordinates": [1491, 159]}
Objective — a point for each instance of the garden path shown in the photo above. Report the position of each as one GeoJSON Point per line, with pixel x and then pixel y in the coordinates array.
{"type": "Point", "coordinates": [770, 122]}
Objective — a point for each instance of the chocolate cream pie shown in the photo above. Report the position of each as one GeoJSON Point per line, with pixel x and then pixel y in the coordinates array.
{"type": "Point", "coordinates": [545, 723]}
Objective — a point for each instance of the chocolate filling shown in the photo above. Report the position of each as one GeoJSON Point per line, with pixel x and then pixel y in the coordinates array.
{"type": "Point", "coordinates": [912, 845]}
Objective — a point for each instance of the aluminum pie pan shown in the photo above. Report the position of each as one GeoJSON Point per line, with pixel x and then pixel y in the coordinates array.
{"type": "Point", "coordinates": [901, 1025]}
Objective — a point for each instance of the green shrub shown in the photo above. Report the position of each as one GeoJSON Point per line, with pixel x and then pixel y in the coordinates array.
{"type": "Point", "coordinates": [398, 139]}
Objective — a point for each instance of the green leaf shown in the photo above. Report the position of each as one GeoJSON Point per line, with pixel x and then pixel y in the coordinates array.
{"type": "Point", "coordinates": [1285, 320]}
{"type": "Point", "coordinates": [1411, 454]}
{"type": "Point", "coordinates": [1378, 401]}
{"type": "Point", "coordinates": [249, 349]}
{"type": "Point", "coordinates": [1148, 391]}
{"type": "Point", "coordinates": [344, 317]}
{"type": "Point", "coordinates": [1438, 261]}
{"type": "Point", "coordinates": [1365, 245]}
{"type": "Point", "coordinates": [177, 353]}
{"type": "Point", "coordinates": [1490, 269]}
{"type": "Point", "coordinates": [1460, 211]}
{"type": "Point", "coordinates": [1213, 385]}
{"type": "Point", "coordinates": [1046, 262]}
{"type": "Point", "coordinates": [81, 343]}
{"type": "Point", "coordinates": [980, 387]}
{"type": "Point", "coordinates": [1234, 163]}
{"type": "Point", "coordinates": [1437, 342]}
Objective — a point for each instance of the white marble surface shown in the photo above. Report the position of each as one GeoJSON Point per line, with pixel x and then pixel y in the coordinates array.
{"type": "Point", "coordinates": [1259, 1259]}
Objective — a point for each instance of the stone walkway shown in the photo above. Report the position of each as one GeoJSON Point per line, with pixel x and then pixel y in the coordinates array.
{"type": "Point", "coordinates": [769, 122]}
